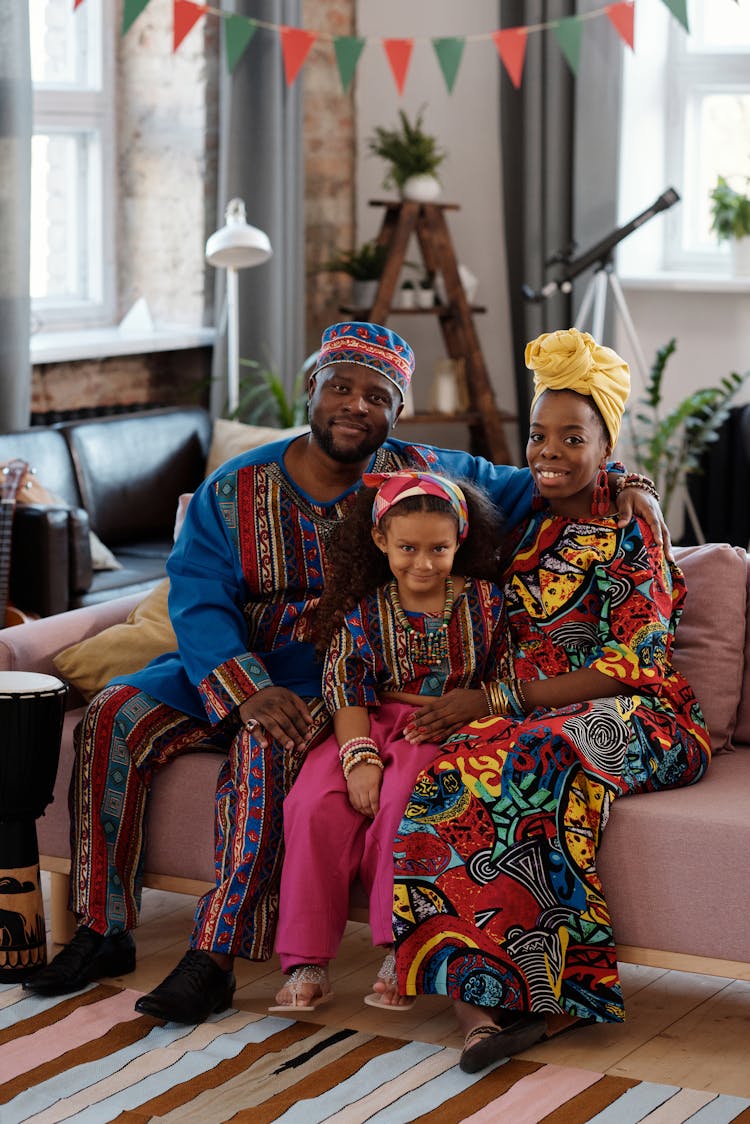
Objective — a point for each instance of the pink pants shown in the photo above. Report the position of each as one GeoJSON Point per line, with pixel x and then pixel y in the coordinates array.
{"type": "Point", "coordinates": [328, 844]}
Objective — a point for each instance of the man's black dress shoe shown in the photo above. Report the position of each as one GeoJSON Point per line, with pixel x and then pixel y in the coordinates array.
{"type": "Point", "coordinates": [195, 989]}
{"type": "Point", "coordinates": [88, 957]}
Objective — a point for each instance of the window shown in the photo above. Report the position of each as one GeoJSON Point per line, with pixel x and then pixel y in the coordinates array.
{"type": "Point", "coordinates": [686, 119]}
{"type": "Point", "coordinates": [72, 164]}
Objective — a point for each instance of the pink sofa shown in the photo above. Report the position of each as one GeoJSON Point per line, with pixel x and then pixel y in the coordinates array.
{"type": "Point", "coordinates": [675, 865]}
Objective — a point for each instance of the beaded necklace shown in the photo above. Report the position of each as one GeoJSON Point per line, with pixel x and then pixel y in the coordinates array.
{"type": "Point", "coordinates": [431, 646]}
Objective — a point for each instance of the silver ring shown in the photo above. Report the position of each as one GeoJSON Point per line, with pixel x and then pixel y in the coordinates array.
{"type": "Point", "coordinates": [250, 724]}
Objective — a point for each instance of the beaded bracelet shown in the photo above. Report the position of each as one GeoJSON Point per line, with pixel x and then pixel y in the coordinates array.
{"type": "Point", "coordinates": [361, 742]}
{"type": "Point", "coordinates": [637, 480]}
{"type": "Point", "coordinates": [362, 759]}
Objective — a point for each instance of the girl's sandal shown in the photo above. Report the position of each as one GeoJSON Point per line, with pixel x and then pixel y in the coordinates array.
{"type": "Point", "coordinates": [306, 974]}
{"type": "Point", "coordinates": [388, 975]}
{"type": "Point", "coordinates": [488, 1043]}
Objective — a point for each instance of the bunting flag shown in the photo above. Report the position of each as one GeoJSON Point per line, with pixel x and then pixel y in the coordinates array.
{"type": "Point", "coordinates": [678, 8]}
{"type": "Point", "coordinates": [347, 49]}
{"type": "Point", "coordinates": [295, 47]}
{"type": "Point", "coordinates": [238, 32]}
{"type": "Point", "coordinates": [185, 15]}
{"type": "Point", "coordinates": [449, 52]}
{"type": "Point", "coordinates": [296, 42]}
{"type": "Point", "coordinates": [569, 33]}
{"type": "Point", "coordinates": [511, 46]}
{"type": "Point", "coordinates": [399, 55]}
{"type": "Point", "coordinates": [622, 18]}
{"type": "Point", "coordinates": [130, 12]}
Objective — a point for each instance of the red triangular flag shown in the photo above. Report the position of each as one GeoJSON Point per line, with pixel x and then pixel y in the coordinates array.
{"type": "Point", "coordinates": [76, 3]}
{"type": "Point", "coordinates": [295, 46]}
{"type": "Point", "coordinates": [621, 17]}
{"type": "Point", "coordinates": [185, 16]}
{"type": "Point", "coordinates": [511, 46]}
{"type": "Point", "coordinates": [399, 55]}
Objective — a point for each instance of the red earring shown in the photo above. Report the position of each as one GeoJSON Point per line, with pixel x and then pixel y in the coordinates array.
{"type": "Point", "coordinates": [600, 500]}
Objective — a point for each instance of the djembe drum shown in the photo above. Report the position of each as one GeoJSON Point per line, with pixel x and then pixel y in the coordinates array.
{"type": "Point", "coordinates": [32, 708]}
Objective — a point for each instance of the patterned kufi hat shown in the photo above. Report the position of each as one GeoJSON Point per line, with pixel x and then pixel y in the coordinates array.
{"type": "Point", "coordinates": [368, 345]}
{"type": "Point", "coordinates": [396, 486]}
{"type": "Point", "coordinates": [573, 360]}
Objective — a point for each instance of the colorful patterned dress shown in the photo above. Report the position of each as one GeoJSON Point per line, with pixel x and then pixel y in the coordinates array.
{"type": "Point", "coordinates": [497, 899]}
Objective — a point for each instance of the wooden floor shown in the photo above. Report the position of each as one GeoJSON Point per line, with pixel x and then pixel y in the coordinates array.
{"type": "Point", "coordinates": [684, 1030]}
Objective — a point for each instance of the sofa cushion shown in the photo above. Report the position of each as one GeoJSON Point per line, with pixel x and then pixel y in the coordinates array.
{"type": "Point", "coordinates": [121, 648]}
{"type": "Point", "coordinates": [710, 647]}
{"type": "Point", "coordinates": [742, 729]}
{"type": "Point", "coordinates": [46, 451]}
{"type": "Point", "coordinates": [132, 468]}
{"type": "Point", "coordinates": [674, 865]}
{"type": "Point", "coordinates": [230, 438]}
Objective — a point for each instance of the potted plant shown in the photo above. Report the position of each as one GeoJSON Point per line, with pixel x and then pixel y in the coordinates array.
{"type": "Point", "coordinates": [364, 264]}
{"type": "Point", "coordinates": [668, 447]}
{"type": "Point", "coordinates": [730, 219]}
{"type": "Point", "coordinates": [407, 295]}
{"type": "Point", "coordinates": [426, 291]}
{"type": "Point", "coordinates": [264, 399]}
{"type": "Point", "coordinates": [413, 157]}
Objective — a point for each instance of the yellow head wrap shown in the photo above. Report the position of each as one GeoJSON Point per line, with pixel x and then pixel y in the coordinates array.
{"type": "Point", "coordinates": [573, 360]}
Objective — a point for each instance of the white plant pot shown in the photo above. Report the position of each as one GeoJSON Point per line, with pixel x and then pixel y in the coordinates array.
{"type": "Point", "coordinates": [407, 298]}
{"type": "Point", "coordinates": [740, 249]}
{"type": "Point", "coordinates": [364, 293]}
{"type": "Point", "coordinates": [425, 298]}
{"type": "Point", "coordinates": [421, 189]}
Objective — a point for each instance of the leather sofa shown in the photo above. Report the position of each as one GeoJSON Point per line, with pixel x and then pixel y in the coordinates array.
{"type": "Point", "coordinates": [118, 476]}
{"type": "Point", "coordinates": [673, 864]}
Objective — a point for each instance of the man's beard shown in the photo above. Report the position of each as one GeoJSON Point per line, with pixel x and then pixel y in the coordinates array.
{"type": "Point", "coordinates": [351, 455]}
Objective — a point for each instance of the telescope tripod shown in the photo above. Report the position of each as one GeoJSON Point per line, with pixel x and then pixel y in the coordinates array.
{"type": "Point", "coordinates": [594, 303]}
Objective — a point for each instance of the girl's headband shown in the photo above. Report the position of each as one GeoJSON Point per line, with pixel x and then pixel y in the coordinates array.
{"type": "Point", "coordinates": [396, 486]}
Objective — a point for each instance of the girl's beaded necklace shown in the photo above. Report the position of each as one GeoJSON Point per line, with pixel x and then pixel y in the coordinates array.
{"type": "Point", "coordinates": [431, 646]}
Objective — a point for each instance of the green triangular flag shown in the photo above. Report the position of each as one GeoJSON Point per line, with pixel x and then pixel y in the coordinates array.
{"type": "Point", "coordinates": [449, 52]}
{"type": "Point", "coordinates": [347, 48]}
{"type": "Point", "coordinates": [131, 11]}
{"type": "Point", "coordinates": [238, 32]}
{"type": "Point", "coordinates": [678, 8]}
{"type": "Point", "coordinates": [569, 32]}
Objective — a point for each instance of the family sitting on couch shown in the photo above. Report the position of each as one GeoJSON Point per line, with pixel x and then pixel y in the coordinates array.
{"type": "Point", "coordinates": [247, 571]}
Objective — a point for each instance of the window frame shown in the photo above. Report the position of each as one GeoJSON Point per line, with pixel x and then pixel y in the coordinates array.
{"type": "Point", "coordinates": [66, 109]}
{"type": "Point", "coordinates": [671, 74]}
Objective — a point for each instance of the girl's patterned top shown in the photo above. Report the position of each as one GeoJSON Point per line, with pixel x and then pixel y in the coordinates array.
{"type": "Point", "coordinates": [370, 651]}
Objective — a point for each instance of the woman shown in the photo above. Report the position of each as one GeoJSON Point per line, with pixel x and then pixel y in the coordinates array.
{"type": "Point", "coordinates": [497, 900]}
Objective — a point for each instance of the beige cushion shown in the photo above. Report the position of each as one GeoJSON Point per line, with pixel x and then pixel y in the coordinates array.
{"type": "Point", "coordinates": [230, 438]}
{"type": "Point", "coordinates": [122, 648]}
{"type": "Point", "coordinates": [710, 647]}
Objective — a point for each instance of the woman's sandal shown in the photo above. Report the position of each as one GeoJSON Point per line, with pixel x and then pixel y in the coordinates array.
{"type": "Point", "coordinates": [388, 975]}
{"type": "Point", "coordinates": [313, 974]}
{"type": "Point", "coordinates": [488, 1043]}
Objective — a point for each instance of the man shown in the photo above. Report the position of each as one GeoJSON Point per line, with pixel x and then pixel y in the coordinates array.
{"type": "Point", "coordinates": [245, 575]}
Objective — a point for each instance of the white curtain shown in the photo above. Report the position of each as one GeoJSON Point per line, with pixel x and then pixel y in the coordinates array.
{"type": "Point", "coordinates": [260, 160]}
{"type": "Point", "coordinates": [15, 188]}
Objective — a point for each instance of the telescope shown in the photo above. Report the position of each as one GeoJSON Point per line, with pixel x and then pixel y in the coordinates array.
{"type": "Point", "coordinates": [600, 254]}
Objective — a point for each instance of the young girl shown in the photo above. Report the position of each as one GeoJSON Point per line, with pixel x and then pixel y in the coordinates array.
{"type": "Point", "coordinates": [410, 612]}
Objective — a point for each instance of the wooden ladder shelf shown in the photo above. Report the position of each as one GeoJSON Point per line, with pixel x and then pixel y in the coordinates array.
{"type": "Point", "coordinates": [403, 219]}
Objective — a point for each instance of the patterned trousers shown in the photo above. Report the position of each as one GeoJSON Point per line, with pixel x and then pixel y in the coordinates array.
{"type": "Point", "coordinates": [125, 736]}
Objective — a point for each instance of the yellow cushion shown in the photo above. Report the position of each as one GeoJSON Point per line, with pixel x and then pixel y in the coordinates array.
{"type": "Point", "coordinates": [122, 648]}
{"type": "Point", "coordinates": [230, 438]}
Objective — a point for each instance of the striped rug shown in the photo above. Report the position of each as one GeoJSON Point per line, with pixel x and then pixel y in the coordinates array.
{"type": "Point", "coordinates": [89, 1058]}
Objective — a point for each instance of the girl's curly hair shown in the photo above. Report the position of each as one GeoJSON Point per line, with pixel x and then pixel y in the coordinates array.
{"type": "Point", "coordinates": [355, 566]}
